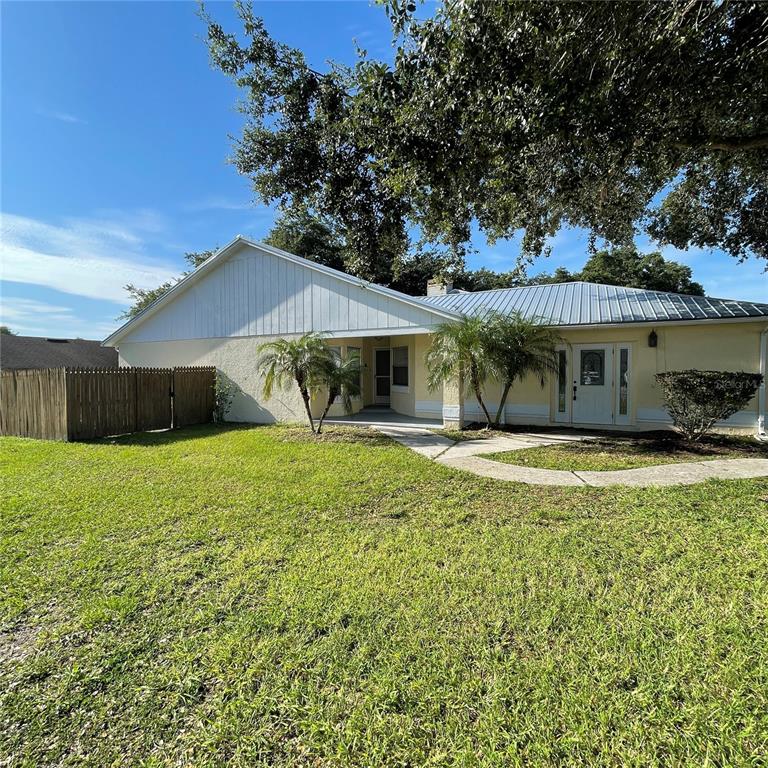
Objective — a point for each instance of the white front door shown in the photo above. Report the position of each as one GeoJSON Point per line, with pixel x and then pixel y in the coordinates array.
{"type": "Point", "coordinates": [593, 384]}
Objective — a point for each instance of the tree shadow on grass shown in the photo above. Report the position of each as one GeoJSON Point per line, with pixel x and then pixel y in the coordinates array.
{"type": "Point", "coordinates": [288, 433]}
{"type": "Point", "coordinates": [171, 436]}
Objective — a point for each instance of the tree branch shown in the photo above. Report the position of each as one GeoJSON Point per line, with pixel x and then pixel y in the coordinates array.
{"type": "Point", "coordinates": [726, 143]}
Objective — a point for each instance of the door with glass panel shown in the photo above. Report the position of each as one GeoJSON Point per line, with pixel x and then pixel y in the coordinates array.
{"type": "Point", "coordinates": [382, 373]}
{"type": "Point", "coordinates": [592, 390]}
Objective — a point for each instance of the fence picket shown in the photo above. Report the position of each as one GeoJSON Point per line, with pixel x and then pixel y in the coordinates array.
{"type": "Point", "coordinates": [84, 403]}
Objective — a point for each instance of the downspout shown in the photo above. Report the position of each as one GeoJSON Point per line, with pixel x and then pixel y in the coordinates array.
{"type": "Point", "coordinates": [762, 426]}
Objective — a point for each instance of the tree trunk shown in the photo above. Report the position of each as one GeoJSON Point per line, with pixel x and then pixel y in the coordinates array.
{"type": "Point", "coordinates": [479, 395]}
{"type": "Point", "coordinates": [502, 403]}
{"type": "Point", "coordinates": [305, 398]}
{"type": "Point", "coordinates": [331, 398]}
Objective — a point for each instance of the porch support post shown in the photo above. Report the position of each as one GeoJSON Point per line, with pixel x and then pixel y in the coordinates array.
{"type": "Point", "coordinates": [453, 404]}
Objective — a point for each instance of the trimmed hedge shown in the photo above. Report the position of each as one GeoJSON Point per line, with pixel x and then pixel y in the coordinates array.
{"type": "Point", "coordinates": [697, 399]}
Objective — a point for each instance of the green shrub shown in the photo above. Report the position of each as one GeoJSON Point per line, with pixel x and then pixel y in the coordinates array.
{"type": "Point", "coordinates": [697, 399]}
{"type": "Point", "coordinates": [224, 393]}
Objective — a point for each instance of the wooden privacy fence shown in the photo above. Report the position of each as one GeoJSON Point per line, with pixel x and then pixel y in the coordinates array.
{"type": "Point", "coordinates": [84, 403]}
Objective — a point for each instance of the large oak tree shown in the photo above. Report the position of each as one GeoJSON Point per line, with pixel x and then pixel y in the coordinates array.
{"type": "Point", "coordinates": [616, 117]}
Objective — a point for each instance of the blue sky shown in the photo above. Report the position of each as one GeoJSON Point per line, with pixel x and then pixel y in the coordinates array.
{"type": "Point", "coordinates": [115, 138]}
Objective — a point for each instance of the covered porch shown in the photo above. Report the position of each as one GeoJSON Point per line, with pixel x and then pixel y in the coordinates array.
{"type": "Point", "coordinates": [393, 380]}
{"type": "Point", "coordinates": [380, 416]}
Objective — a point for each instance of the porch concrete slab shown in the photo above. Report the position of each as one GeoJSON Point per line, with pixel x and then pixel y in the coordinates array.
{"type": "Point", "coordinates": [422, 441]}
{"type": "Point", "coordinates": [512, 472]}
{"type": "Point", "coordinates": [383, 417]}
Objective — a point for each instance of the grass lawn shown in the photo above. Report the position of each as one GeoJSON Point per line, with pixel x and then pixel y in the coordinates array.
{"type": "Point", "coordinates": [628, 453]}
{"type": "Point", "coordinates": [252, 597]}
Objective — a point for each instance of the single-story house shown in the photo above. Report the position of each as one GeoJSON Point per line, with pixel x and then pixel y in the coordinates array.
{"type": "Point", "coordinates": [18, 352]}
{"type": "Point", "coordinates": [614, 340]}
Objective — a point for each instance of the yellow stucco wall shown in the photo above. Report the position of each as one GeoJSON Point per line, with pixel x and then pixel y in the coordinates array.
{"type": "Point", "coordinates": [718, 346]}
{"type": "Point", "coordinates": [713, 346]}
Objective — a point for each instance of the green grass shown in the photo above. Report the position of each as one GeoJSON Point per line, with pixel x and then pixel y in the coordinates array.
{"type": "Point", "coordinates": [611, 453]}
{"type": "Point", "coordinates": [252, 597]}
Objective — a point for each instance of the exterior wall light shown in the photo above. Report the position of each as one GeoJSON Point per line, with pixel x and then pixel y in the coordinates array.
{"type": "Point", "coordinates": [653, 339]}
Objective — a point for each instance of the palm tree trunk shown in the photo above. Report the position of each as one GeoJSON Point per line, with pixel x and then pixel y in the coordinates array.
{"type": "Point", "coordinates": [502, 403]}
{"type": "Point", "coordinates": [305, 398]}
{"type": "Point", "coordinates": [479, 395]}
{"type": "Point", "coordinates": [324, 414]}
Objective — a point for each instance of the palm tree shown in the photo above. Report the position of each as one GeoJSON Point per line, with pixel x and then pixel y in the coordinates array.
{"type": "Point", "coordinates": [518, 347]}
{"type": "Point", "coordinates": [301, 360]}
{"type": "Point", "coordinates": [342, 379]}
{"type": "Point", "coordinates": [459, 350]}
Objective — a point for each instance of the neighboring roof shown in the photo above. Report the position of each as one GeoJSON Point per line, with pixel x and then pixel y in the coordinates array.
{"type": "Point", "coordinates": [36, 352]}
{"type": "Point", "coordinates": [567, 304]}
{"type": "Point", "coordinates": [221, 255]}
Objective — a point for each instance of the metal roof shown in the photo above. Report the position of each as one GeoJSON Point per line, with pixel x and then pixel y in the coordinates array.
{"type": "Point", "coordinates": [580, 303]}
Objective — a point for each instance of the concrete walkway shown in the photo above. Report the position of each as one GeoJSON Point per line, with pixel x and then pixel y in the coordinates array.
{"type": "Point", "coordinates": [466, 456]}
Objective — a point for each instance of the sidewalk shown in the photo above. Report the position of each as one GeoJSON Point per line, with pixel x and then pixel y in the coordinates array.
{"type": "Point", "coordinates": [467, 456]}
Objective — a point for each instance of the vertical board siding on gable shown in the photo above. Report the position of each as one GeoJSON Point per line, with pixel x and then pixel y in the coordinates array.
{"type": "Point", "coordinates": [258, 294]}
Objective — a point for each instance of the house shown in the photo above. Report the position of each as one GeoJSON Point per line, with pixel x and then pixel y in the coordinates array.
{"type": "Point", "coordinates": [36, 352]}
{"type": "Point", "coordinates": [614, 340]}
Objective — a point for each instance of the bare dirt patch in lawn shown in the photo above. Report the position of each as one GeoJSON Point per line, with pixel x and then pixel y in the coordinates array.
{"type": "Point", "coordinates": [17, 644]}
{"type": "Point", "coordinates": [297, 433]}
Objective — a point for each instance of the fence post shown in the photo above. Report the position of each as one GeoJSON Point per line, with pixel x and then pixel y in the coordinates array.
{"type": "Point", "coordinates": [172, 394]}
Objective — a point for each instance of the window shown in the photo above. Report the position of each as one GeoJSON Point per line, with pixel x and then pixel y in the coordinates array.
{"type": "Point", "coordinates": [400, 366]}
{"type": "Point", "coordinates": [592, 367]}
{"type": "Point", "coordinates": [623, 381]}
{"type": "Point", "coordinates": [353, 353]}
{"type": "Point", "coordinates": [336, 354]}
{"type": "Point", "coordinates": [562, 372]}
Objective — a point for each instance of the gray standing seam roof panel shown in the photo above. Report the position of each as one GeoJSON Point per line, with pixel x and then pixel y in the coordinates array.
{"type": "Point", "coordinates": [579, 303]}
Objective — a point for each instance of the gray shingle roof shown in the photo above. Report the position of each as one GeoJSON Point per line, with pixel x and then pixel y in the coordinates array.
{"type": "Point", "coordinates": [37, 352]}
{"type": "Point", "coordinates": [594, 304]}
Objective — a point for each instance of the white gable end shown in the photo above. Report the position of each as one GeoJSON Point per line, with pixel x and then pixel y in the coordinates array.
{"type": "Point", "coordinates": [256, 293]}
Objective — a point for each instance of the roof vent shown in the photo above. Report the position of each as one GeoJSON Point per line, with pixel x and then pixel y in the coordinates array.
{"type": "Point", "coordinates": [58, 341]}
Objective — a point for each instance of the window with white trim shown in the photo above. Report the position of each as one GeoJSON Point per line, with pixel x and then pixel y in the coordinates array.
{"type": "Point", "coordinates": [400, 366]}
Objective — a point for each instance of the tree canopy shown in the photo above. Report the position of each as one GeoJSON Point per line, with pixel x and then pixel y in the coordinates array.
{"type": "Point", "coordinates": [309, 235]}
{"type": "Point", "coordinates": [615, 117]}
{"type": "Point", "coordinates": [628, 267]}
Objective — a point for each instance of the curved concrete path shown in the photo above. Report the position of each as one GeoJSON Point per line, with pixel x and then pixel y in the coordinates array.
{"type": "Point", "coordinates": [466, 456]}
